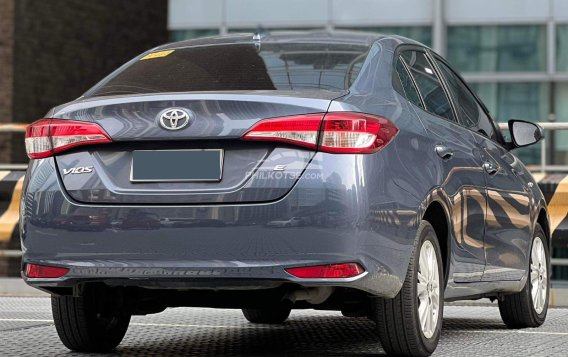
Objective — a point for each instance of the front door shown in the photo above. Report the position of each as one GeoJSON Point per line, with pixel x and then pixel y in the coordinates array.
{"type": "Point", "coordinates": [507, 228]}
{"type": "Point", "coordinates": [464, 185]}
{"type": "Point", "coordinates": [507, 221]}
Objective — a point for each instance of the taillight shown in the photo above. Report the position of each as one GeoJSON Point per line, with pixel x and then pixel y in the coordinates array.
{"type": "Point", "coordinates": [358, 133]}
{"type": "Point", "coordinates": [47, 137]}
{"type": "Point", "coordinates": [333, 271]}
{"type": "Point", "coordinates": [44, 271]}
{"type": "Point", "coordinates": [340, 132]}
{"type": "Point", "coordinates": [299, 130]}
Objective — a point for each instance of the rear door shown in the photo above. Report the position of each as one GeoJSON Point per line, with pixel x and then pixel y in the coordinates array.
{"type": "Point", "coordinates": [507, 215]}
{"type": "Point", "coordinates": [458, 160]}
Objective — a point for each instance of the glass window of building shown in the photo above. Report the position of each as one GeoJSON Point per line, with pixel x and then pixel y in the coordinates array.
{"type": "Point", "coordinates": [180, 35]}
{"type": "Point", "coordinates": [560, 154]}
{"type": "Point", "coordinates": [528, 101]}
{"type": "Point", "coordinates": [562, 48]}
{"type": "Point", "coordinates": [256, 29]}
{"type": "Point", "coordinates": [497, 48]}
{"type": "Point", "coordinates": [421, 34]}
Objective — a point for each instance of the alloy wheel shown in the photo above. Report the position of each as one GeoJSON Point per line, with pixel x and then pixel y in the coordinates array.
{"type": "Point", "coordinates": [428, 289]}
{"type": "Point", "coordinates": [539, 275]}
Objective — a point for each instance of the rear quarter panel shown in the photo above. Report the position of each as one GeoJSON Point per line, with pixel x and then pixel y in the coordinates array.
{"type": "Point", "coordinates": [397, 181]}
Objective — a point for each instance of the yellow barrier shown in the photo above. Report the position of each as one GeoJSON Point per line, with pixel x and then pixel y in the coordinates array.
{"type": "Point", "coordinates": [9, 219]}
{"type": "Point", "coordinates": [13, 128]}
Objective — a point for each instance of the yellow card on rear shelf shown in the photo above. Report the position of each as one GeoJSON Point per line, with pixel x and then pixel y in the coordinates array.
{"type": "Point", "coordinates": [156, 54]}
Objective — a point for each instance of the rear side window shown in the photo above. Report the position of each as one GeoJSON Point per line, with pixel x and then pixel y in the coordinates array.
{"type": "Point", "coordinates": [270, 66]}
{"type": "Point", "coordinates": [404, 85]}
{"type": "Point", "coordinates": [435, 99]}
{"type": "Point", "coordinates": [469, 111]}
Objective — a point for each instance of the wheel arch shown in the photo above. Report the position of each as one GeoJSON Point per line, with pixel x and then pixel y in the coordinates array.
{"type": "Point", "coordinates": [436, 214]}
{"type": "Point", "coordinates": [544, 221]}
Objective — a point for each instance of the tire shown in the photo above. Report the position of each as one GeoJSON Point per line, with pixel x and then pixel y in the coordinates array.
{"type": "Point", "coordinates": [399, 325]}
{"type": "Point", "coordinates": [275, 315]}
{"type": "Point", "coordinates": [519, 310]}
{"type": "Point", "coordinates": [92, 323]}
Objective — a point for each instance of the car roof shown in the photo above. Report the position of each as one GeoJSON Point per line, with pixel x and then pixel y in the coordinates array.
{"type": "Point", "coordinates": [323, 37]}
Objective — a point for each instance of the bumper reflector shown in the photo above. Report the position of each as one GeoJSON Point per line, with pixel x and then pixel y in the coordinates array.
{"type": "Point", "coordinates": [43, 271]}
{"type": "Point", "coordinates": [334, 271]}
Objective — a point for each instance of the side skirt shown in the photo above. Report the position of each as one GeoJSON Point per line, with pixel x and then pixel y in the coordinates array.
{"type": "Point", "coordinates": [482, 289]}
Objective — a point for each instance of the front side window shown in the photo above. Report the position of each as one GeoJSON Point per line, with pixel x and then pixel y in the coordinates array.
{"type": "Point", "coordinates": [429, 85]}
{"type": "Point", "coordinates": [469, 111]}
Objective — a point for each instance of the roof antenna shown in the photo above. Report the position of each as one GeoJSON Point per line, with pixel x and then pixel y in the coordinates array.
{"type": "Point", "coordinates": [258, 35]}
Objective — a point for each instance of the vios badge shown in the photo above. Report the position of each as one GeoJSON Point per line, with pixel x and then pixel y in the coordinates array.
{"type": "Point", "coordinates": [78, 170]}
{"type": "Point", "coordinates": [174, 118]}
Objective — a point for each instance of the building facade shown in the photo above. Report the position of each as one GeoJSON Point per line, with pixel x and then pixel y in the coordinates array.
{"type": "Point", "coordinates": [513, 52]}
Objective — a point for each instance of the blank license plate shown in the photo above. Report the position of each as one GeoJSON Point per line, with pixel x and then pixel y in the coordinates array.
{"type": "Point", "coordinates": [176, 165]}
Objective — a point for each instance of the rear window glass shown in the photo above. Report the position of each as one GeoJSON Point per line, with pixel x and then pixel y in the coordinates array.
{"type": "Point", "coordinates": [284, 66]}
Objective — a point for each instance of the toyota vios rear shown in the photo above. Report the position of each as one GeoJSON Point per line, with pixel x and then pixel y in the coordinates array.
{"type": "Point", "coordinates": [262, 174]}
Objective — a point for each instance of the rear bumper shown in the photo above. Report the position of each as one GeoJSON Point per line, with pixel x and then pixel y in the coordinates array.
{"type": "Point", "coordinates": [204, 278]}
{"type": "Point", "coordinates": [223, 271]}
{"type": "Point", "coordinates": [240, 251]}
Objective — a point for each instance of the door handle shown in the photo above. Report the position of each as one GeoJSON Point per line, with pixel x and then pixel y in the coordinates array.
{"type": "Point", "coordinates": [444, 152]}
{"type": "Point", "coordinates": [490, 168]}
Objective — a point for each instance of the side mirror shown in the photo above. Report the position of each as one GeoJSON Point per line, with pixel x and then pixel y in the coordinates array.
{"type": "Point", "coordinates": [524, 133]}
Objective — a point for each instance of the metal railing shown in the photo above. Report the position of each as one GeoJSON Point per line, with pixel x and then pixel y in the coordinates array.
{"type": "Point", "coordinates": [543, 166]}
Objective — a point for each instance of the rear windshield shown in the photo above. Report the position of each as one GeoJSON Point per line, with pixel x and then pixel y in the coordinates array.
{"type": "Point", "coordinates": [283, 66]}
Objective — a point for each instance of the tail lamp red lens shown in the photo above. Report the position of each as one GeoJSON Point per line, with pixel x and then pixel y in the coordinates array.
{"type": "Point", "coordinates": [334, 271]}
{"type": "Point", "coordinates": [47, 137]}
{"type": "Point", "coordinates": [339, 132]}
{"type": "Point", "coordinates": [300, 130]}
{"type": "Point", "coordinates": [44, 271]}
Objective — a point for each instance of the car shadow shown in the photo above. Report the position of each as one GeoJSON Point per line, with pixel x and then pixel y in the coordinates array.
{"type": "Point", "coordinates": [299, 336]}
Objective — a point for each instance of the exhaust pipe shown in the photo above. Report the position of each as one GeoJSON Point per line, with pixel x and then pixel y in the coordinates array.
{"type": "Point", "coordinates": [313, 296]}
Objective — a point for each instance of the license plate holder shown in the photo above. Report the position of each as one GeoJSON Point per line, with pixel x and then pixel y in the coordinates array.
{"type": "Point", "coordinates": [202, 165]}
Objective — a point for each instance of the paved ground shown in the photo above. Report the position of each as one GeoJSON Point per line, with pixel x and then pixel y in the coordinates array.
{"type": "Point", "coordinates": [26, 329]}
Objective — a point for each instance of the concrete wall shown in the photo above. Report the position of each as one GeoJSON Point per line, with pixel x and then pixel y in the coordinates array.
{"type": "Point", "coordinates": [63, 47]}
{"type": "Point", "coordinates": [6, 60]}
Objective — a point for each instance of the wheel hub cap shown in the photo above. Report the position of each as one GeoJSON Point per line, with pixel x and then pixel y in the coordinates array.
{"type": "Point", "coordinates": [538, 276]}
{"type": "Point", "coordinates": [428, 289]}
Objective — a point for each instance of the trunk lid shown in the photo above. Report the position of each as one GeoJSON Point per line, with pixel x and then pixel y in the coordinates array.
{"type": "Point", "coordinates": [102, 173]}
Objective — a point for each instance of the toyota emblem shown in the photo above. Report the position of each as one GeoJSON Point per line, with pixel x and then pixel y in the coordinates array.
{"type": "Point", "coordinates": [174, 119]}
